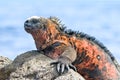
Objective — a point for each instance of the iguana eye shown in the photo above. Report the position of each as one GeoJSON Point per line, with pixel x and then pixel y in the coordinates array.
{"type": "Point", "coordinates": [43, 27]}
{"type": "Point", "coordinates": [34, 21]}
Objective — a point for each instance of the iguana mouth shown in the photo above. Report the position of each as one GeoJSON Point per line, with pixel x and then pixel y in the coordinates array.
{"type": "Point", "coordinates": [27, 27]}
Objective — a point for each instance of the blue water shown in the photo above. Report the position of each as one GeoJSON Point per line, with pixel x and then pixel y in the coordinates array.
{"type": "Point", "coordinates": [99, 18]}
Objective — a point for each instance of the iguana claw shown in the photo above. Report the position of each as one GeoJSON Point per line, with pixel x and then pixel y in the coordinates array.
{"type": "Point", "coordinates": [63, 65]}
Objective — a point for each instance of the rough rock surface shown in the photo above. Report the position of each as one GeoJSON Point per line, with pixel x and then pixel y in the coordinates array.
{"type": "Point", "coordinates": [4, 61]}
{"type": "Point", "coordinates": [33, 65]}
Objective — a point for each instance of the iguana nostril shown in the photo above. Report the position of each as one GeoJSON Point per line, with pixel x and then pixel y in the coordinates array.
{"type": "Point", "coordinates": [27, 24]}
{"type": "Point", "coordinates": [26, 21]}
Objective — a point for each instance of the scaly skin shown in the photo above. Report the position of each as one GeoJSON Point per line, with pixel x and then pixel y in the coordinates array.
{"type": "Point", "coordinates": [91, 60]}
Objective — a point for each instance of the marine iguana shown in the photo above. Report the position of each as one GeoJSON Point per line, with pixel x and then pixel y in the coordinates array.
{"type": "Point", "coordinates": [75, 50]}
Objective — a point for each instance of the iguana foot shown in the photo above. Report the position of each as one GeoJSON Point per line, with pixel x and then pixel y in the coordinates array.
{"type": "Point", "coordinates": [63, 64]}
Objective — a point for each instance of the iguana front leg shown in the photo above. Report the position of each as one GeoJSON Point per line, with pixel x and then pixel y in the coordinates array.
{"type": "Point", "coordinates": [65, 60]}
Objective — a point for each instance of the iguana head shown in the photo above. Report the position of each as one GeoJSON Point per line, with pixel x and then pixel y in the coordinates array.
{"type": "Point", "coordinates": [42, 29]}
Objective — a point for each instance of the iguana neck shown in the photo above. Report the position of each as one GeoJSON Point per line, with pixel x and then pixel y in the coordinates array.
{"type": "Point", "coordinates": [43, 39]}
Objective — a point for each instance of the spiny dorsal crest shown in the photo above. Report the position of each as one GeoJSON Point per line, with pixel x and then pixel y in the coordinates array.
{"type": "Point", "coordinates": [55, 20]}
{"type": "Point", "coordinates": [58, 22]}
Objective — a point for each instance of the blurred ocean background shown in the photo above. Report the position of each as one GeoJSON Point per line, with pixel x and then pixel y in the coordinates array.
{"type": "Point", "coordinates": [98, 18]}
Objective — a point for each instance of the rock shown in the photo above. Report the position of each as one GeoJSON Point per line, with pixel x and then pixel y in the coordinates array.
{"type": "Point", "coordinates": [4, 61]}
{"type": "Point", "coordinates": [70, 75]}
{"type": "Point", "coordinates": [33, 65]}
